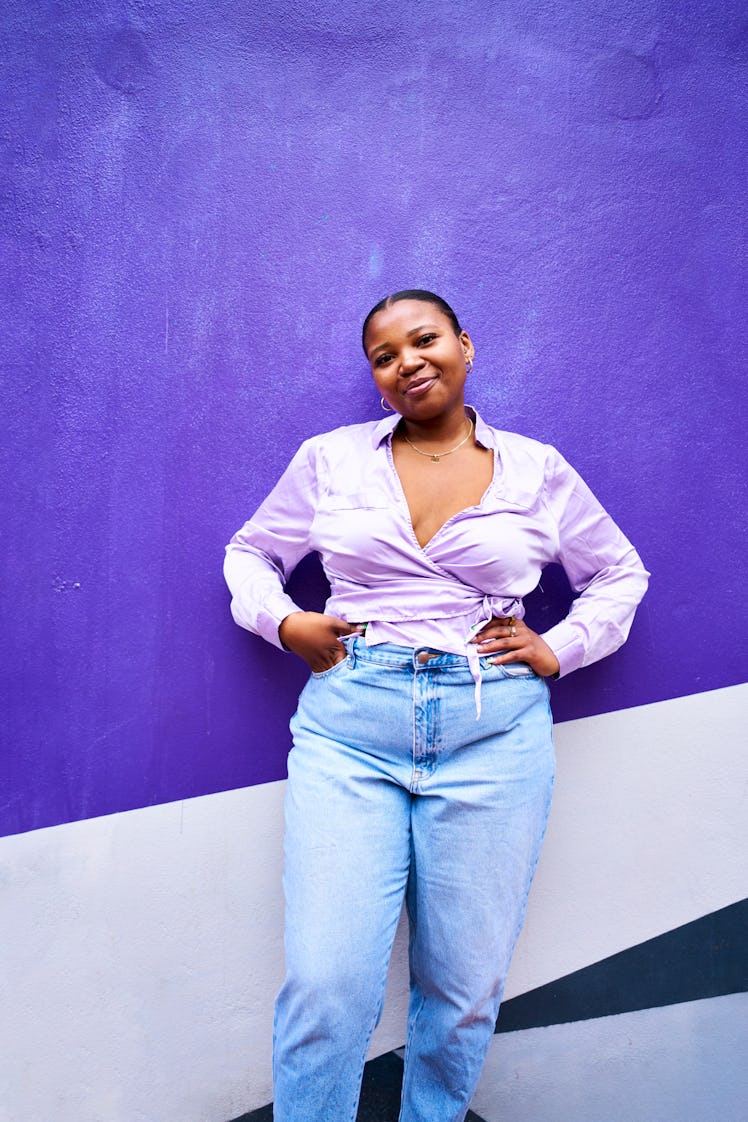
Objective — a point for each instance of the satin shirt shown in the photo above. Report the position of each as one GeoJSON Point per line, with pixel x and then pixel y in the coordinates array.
{"type": "Point", "coordinates": [341, 497]}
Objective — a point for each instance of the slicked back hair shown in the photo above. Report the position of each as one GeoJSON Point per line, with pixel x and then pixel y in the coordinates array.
{"type": "Point", "coordinates": [412, 294]}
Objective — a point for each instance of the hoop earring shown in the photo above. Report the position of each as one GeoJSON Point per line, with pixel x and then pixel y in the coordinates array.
{"type": "Point", "coordinates": [469, 366]}
{"type": "Point", "coordinates": [387, 408]}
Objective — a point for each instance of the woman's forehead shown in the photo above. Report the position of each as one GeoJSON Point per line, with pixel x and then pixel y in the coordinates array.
{"type": "Point", "coordinates": [403, 315]}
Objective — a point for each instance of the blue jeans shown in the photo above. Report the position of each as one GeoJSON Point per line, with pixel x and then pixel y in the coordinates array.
{"type": "Point", "coordinates": [396, 791]}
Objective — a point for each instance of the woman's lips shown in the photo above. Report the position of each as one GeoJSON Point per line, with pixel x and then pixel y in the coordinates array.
{"type": "Point", "coordinates": [417, 389]}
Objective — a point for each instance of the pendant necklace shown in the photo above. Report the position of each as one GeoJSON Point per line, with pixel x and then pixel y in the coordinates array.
{"type": "Point", "coordinates": [435, 457]}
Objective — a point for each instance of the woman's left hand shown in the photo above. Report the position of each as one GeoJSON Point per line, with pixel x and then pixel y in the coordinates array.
{"type": "Point", "coordinates": [510, 640]}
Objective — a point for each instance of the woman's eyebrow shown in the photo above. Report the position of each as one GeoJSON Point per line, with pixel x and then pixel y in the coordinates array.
{"type": "Point", "coordinates": [413, 331]}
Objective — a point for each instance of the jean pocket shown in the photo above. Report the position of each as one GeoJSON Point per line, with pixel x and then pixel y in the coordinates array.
{"type": "Point", "coordinates": [509, 669]}
{"type": "Point", "coordinates": [518, 670]}
{"type": "Point", "coordinates": [331, 669]}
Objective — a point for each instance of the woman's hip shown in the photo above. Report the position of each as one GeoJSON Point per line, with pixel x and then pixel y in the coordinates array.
{"type": "Point", "coordinates": [396, 705]}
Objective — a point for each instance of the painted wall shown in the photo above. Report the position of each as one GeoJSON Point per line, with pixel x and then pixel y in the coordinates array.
{"type": "Point", "coordinates": [199, 204]}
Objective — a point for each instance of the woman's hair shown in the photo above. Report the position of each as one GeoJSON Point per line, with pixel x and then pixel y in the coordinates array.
{"type": "Point", "coordinates": [412, 294]}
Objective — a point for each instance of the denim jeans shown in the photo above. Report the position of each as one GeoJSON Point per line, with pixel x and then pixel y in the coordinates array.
{"type": "Point", "coordinates": [396, 791]}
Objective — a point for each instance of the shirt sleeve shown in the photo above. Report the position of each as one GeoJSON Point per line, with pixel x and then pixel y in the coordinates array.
{"type": "Point", "coordinates": [601, 564]}
{"type": "Point", "coordinates": [262, 555]}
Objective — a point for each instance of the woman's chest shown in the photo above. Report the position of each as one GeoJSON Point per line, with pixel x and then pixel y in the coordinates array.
{"type": "Point", "coordinates": [484, 535]}
{"type": "Point", "coordinates": [435, 492]}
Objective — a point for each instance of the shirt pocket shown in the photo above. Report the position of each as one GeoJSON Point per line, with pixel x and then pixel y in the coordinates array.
{"type": "Point", "coordinates": [370, 498]}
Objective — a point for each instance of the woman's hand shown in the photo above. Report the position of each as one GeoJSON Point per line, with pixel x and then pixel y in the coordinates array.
{"type": "Point", "coordinates": [511, 640]}
{"type": "Point", "coordinates": [316, 638]}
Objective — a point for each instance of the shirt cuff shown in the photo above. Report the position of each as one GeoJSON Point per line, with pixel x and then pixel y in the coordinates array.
{"type": "Point", "coordinates": [567, 645]}
{"type": "Point", "coordinates": [271, 615]}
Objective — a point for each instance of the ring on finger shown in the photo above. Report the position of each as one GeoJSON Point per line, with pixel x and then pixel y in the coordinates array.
{"type": "Point", "coordinates": [512, 631]}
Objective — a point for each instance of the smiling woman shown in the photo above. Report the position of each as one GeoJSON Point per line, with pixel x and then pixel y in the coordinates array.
{"type": "Point", "coordinates": [420, 362]}
{"type": "Point", "coordinates": [422, 763]}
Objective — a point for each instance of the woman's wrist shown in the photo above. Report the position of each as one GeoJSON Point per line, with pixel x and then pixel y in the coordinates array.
{"type": "Point", "coordinates": [282, 628]}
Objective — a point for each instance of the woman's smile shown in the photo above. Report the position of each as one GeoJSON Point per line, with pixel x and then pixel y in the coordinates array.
{"type": "Point", "coordinates": [419, 387]}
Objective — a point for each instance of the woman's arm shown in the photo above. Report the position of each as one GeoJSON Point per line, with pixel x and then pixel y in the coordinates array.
{"type": "Point", "coordinates": [261, 557]}
{"type": "Point", "coordinates": [601, 564]}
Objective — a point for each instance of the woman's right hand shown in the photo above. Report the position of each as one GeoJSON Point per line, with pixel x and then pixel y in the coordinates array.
{"type": "Point", "coordinates": [316, 638]}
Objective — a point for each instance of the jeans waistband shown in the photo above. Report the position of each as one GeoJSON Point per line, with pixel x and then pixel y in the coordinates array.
{"type": "Point", "coordinates": [390, 654]}
{"type": "Point", "coordinates": [407, 658]}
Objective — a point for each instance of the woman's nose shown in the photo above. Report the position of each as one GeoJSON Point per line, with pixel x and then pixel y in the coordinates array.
{"type": "Point", "coordinates": [410, 360]}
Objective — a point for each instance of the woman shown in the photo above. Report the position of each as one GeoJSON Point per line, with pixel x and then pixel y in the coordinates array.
{"type": "Point", "coordinates": [422, 763]}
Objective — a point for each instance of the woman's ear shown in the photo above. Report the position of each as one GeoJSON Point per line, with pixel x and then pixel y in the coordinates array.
{"type": "Point", "coordinates": [467, 346]}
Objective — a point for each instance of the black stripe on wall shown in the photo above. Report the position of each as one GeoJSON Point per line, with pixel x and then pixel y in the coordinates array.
{"type": "Point", "coordinates": [380, 1094]}
{"type": "Point", "coordinates": [705, 958]}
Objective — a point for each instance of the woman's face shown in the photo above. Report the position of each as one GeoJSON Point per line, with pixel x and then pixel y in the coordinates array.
{"type": "Point", "coordinates": [417, 361]}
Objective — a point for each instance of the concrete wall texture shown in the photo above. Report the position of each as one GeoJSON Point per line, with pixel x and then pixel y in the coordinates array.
{"type": "Point", "coordinates": [199, 204]}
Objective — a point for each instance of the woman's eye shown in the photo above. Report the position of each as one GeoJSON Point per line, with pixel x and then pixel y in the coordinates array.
{"type": "Point", "coordinates": [426, 339]}
{"type": "Point", "coordinates": [383, 360]}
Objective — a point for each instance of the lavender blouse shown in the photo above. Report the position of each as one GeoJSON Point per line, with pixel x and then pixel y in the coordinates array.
{"type": "Point", "coordinates": [341, 496]}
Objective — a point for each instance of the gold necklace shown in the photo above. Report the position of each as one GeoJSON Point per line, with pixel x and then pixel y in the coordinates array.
{"type": "Point", "coordinates": [435, 457]}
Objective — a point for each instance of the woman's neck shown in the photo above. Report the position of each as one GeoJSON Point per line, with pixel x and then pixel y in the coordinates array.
{"type": "Point", "coordinates": [436, 430]}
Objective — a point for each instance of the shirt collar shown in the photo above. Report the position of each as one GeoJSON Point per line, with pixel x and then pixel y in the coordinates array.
{"type": "Point", "coordinates": [384, 429]}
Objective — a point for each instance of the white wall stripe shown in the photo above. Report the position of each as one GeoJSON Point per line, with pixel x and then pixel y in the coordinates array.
{"type": "Point", "coordinates": [681, 1063]}
{"type": "Point", "coordinates": [648, 831]}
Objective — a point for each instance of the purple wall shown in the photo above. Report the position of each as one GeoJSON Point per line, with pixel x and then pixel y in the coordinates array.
{"type": "Point", "coordinates": [200, 202]}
